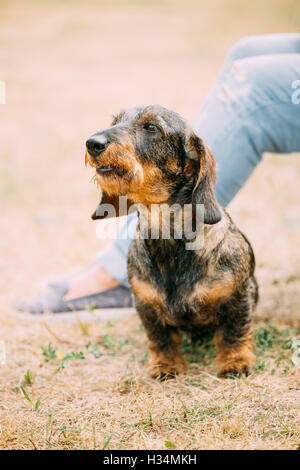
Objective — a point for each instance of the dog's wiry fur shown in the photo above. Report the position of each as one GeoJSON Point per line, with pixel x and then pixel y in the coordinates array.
{"type": "Point", "coordinates": [210, 289]}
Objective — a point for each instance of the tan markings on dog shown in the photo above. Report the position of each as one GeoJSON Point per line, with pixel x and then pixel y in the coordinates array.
{"type": "Point", "coordinates": [214, 294]}
{"type": "Point", "coordinates": [144, 184]}
{"type": "Point", "coordinates": [168, 362]}
{"type": "Point", "coordinates": [122, 156]}
{"type": "Point", "coordinates": [239, 359]}
{"type": "Point", "coordinates": [146, 292]}
{"type": "Point", "coordinates": [172, 165]}
{"type": "Point", "coordinates": [153, 189]}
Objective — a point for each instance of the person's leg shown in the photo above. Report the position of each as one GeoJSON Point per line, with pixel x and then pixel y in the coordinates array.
{"type": "Point", "coordinates": [103, 284]}
{"type": "Point", "coordinates": [252, 113]}
{"type": "Point", "coordinates": [94, 278]}
{"type": "Point", "coordinates": [262, 44]}
{"type": "Point", "coordinates": [110, 268]}
{"type": "Point", "coordinates": [114, 258]}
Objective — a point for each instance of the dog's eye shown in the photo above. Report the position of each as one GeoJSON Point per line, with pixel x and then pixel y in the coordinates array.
{"type": "Point", "coordinates": [150, 128]}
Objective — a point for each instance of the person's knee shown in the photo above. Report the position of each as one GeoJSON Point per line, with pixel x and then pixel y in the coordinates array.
{"type": "Point", "coordinates": [265, 79]}
{"type": "Point", "coordinates": [245, 85]}
{"type": "Point", "coordinates": [246, 46]}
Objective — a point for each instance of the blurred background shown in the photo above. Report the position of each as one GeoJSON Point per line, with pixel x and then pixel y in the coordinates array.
{"type": "Point", "coordinates": [68, 66]}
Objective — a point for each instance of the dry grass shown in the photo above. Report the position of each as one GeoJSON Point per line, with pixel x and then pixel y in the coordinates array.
{"type": "Point", "coordinates": [81, 403]}
{"type": "Point", "coordinates": [67, 68]}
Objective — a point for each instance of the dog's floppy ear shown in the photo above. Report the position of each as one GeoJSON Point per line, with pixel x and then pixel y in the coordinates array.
{"type": "Point", "coordinates": [112, 206]}
{"type": "Point", "coordinates": [204, 190]}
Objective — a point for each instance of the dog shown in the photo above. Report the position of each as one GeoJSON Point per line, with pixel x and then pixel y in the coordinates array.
{"type": "Point", "coordinates": [151, 156]}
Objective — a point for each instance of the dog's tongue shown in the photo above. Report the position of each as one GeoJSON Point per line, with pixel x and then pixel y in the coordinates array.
{"type": "Point", "coordinates": [103, 169]}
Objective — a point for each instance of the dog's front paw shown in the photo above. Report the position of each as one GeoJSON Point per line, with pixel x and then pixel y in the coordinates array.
{"type": "Point", "coordinates": [235, 362]}
{"type": "Point", "coordinates": [236, 369]}
{"type": "Point", "coordinates": [165, 371]}
{"type": "Point", "coordinates": [162, 369]}
{"type": "Point", "coordinates": [166, 363]}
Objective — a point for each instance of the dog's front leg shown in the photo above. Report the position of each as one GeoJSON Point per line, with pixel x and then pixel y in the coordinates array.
{"type": "Point", "coordinates": [164, 344]}
{"type": "Point", "coordinates": [234, 338]}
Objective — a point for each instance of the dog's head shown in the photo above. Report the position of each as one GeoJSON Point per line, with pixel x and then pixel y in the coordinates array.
{"type": "Point", "coordinates": [151, 156]}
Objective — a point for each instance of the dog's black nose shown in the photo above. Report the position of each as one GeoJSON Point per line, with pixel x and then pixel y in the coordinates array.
{"type": "Point", "coordinates": [96, 145]}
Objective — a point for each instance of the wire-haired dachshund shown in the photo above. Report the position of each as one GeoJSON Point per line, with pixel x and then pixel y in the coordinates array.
{"type": "Point", "coordinates": [150, 155]}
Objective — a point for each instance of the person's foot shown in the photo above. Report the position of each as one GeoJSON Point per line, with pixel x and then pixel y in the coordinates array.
{"type": "Point", "coordinates": [92, 280]}
{"type": "Point", "coordinates": [92, 287]}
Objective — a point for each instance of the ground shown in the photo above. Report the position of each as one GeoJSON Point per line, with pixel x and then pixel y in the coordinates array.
{"type": "Point", "coordinates": [83, 384]}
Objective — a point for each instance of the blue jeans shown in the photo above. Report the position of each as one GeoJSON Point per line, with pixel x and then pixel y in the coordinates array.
{"type": "Point", "coordinates": [249, 111]}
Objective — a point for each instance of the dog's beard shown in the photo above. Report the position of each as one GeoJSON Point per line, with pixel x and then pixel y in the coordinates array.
{"type": "Point", "coordinates": [117, 170]}
{"type": "Point", "coordinates": [115, 184]}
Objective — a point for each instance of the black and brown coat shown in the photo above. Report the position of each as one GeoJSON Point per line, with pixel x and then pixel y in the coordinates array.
{"type": "Point", "coordinates": [150, 155]}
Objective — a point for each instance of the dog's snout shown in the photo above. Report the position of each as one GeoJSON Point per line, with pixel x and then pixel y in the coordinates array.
{"type": "Point", "coordinates": [97, 144]}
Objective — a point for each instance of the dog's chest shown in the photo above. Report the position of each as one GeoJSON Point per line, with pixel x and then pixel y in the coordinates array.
{"type": "Point", "coordinates": [178, 307]}
{"type": "Point", "coordinates": [171, 276]}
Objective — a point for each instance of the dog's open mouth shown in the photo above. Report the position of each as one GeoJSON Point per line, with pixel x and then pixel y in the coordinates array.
{"type": "Point", "coordinates": [110, 170]}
